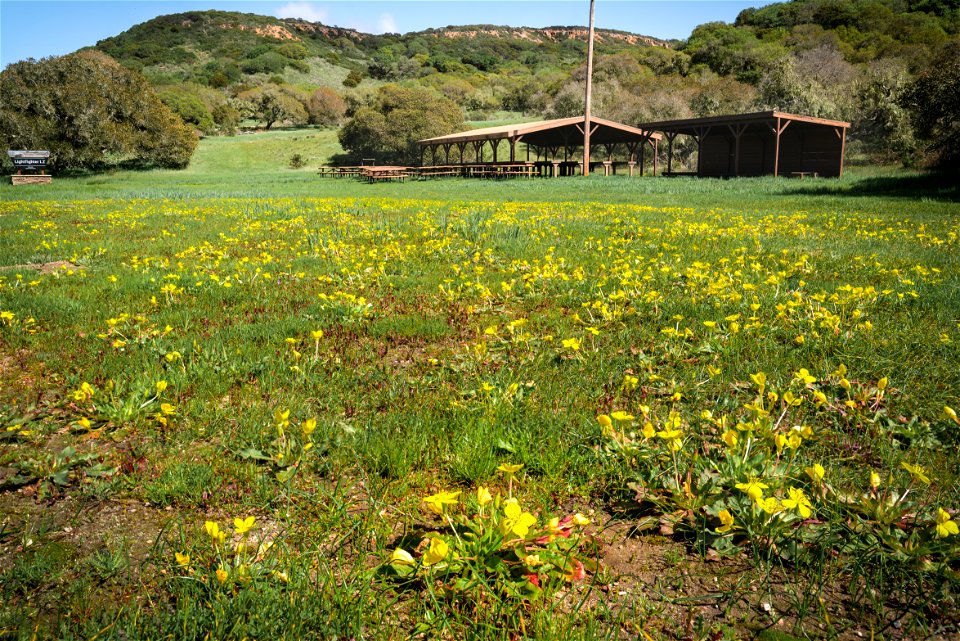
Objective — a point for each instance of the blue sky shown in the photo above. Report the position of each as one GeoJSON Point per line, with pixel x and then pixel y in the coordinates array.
{"type": "Point", "coordinates": [40, 28]}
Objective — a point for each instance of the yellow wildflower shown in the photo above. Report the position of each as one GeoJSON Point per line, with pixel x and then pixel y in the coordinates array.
{"type": "Point", "coordinates": [816, 473]}
{"type": "Point", "coordinates": [183, 560]}
{"type": "Point", "coordinates": [730, 438]}
{"type": "Point", "coordinates": [84, 393]}
{"type": "Point", "coordinates": [951, 414]}
{"type": "Point", "coordinates": [770, 505]}
{"type": "Point", "coordinates": [571, 344]}
{"type": "Point", "coordinates": [798, 501]}
{"type": "Point", "coordinates": [242, 526]}
{"type": "Point", "coordinates": [753, 488]}
{"type": "Point", "coordinates": [621, 416]}
{"type": "Point", "coordinates": [437, 551]}
{"type": "Point", "coordinates": [918, 473]}
{"type": "Point", "coordinates": [214, 532]}
{"type": "Point", "coordinates": [517, 521]}
{"type": "Point", "coordinates": [483, 496]}
{"type": "Point", "coordinates": [606, 425]}
{"type": "Point", "coordinates": [507, 468]}
{"type": "Point", "coordinates": [438, 500]}
{"type": "Point", "coordinates": [945, 526]}
{"type": "Point", "coordinates": [580, 519]}
{"type": "Point", "coordinates": [402, 557]}
{"type": "Point", "coordinates": [648, 430]}
{"type": "Point", "coordinates": [726, 519]}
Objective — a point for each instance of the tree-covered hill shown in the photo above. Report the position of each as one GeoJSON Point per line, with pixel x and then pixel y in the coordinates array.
{"type": "Point", "coordinates": [856, 60]}
{"type": "Point", "coordinates": [219, 48]}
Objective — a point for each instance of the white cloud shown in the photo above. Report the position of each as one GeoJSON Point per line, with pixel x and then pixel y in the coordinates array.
{"type": "Point", "coordinates": [305, 10]}
{"type": "Point", "coordinates": [387, 24]}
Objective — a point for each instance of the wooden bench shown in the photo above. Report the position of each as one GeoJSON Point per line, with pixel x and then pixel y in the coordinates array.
{"type": "Point", "coordinates": [803, 174]}
{"type": "Point", "coordinates": [437, 174]}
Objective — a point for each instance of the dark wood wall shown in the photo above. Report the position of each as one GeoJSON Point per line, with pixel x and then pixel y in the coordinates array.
{"type": "Point", "coordinates": [803, 148]}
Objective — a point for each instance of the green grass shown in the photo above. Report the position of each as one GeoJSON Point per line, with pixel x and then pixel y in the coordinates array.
{"type": "Point", "coordinates": [420, 383]}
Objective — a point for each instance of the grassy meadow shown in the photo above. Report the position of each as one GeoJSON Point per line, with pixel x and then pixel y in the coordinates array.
{"type": "Point", "coordinates": [243, 401]}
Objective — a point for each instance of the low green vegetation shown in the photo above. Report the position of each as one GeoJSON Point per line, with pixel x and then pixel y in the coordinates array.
{"type": "Point", "coordinates": [241, 400]}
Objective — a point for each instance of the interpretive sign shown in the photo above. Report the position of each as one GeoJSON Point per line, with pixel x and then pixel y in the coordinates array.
{"type": "Point", "coordinates": [29, 159]}
{"type": "Point", "coordinates": [31, 162]}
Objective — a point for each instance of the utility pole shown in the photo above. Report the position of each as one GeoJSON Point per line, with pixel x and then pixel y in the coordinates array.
{"type": "Point", "coordinates": [586, 102]}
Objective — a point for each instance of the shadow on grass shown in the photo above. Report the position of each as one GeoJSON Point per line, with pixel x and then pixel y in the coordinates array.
{"type": "Point", "coordinates": [932, 186]}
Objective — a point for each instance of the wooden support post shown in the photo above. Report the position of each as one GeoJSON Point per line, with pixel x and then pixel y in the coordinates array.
{"type": "Point", "coordinates": [702, 133]}
{"type": "Point", "coordinates": [462, 146]}
{"type": "Point", "coordinates": [778, 129]}
{"type": "Point", "coordinates": [670, 137]}
{"type": "Point", "coordinates": [586, 111]}
{"type": "Point", "coordinates": [737, 131]}
{"type": "Point", "coordinates": [842, 135]}
{"type": "Point", "coordinates": [446, 153]}
{"type": "Point", "coordinates": [656, 152]}
{"type": "Point", "coordinates": [494, 144]}
{"type": "Point", "coordinates": [513, 150]}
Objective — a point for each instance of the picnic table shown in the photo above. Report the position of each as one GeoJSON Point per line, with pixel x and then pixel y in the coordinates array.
{"type": "Point", "coordinates": [339, 172]}
{"type": "Point", "coordinates": [385, 172]}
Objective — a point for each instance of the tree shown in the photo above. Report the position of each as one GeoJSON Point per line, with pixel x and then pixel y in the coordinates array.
{"type": "Point", "coordinates": [353, 78]}
{"type": "Point", "coordinates": [90, 113]}
{"type": "Point", "coordinates": [881, 126]}
{"type": "Point", "coordinates": [326, 107]}
{"type": "Point", "coordinates": [395, 118]}
{"type": "Point", "coordinates": [273, 105]}
{"type": "Point", "coordinates": [189, 107]}
{"type": "Point", "coordinates": [784, 88]}
{"type": "Point", "coordinates": [933, 100]}
{"type": "Point", "coordinates": [728, 50]}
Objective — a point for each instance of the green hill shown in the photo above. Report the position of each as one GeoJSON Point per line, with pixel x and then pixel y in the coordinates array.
{"type": "Point", "coordinates": [219, 48]}
{"type": "Point", "coordinates": [854, 60]}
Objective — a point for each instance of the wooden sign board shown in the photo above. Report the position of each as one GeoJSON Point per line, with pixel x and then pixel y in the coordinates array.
{"type": "Point", "coordinates": [31, 162]}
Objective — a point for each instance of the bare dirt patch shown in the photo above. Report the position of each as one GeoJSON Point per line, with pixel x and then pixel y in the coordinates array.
{"type": "Point", "coordinates": [43, 268]}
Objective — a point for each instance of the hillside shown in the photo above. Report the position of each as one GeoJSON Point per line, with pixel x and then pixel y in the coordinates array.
{"type": "Point", "coordinates": [850, 60]}
{"type": "Point", "coordinates": [219, 48]}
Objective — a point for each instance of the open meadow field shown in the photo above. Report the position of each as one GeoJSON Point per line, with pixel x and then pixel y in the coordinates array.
{"type": "Point", "coordinates": [244, 401]}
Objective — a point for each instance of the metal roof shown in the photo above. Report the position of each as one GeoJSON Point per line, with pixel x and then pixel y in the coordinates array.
{"type": "Point", "coordinates": [550, 133]}
{"type": "Point", "coordinates": [691, 125]}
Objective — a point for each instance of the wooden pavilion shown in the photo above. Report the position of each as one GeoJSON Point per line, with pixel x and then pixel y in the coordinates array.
{"type": "Point", "coordinates": [756, 144]}
{"type": "Point", "coordinates": [554, 142]}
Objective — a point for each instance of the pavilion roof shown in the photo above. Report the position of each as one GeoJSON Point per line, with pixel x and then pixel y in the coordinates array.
{"type": "Point", "coordinates": [550, 133]}
{"type": "Point", "coordinates": [692, 126]}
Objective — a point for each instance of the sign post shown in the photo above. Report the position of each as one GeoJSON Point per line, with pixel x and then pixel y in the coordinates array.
{"type": "Point", "coordinates": [30, 162]}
